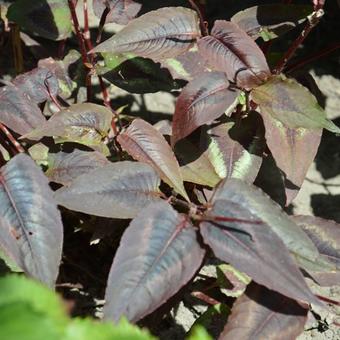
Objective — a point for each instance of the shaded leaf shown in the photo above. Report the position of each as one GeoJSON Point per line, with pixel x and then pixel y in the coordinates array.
{"type": "Point", "coordinates": [64, 167]}
{"type": "Point", "coordinates": [204, 99]}
{"type": "Point", "coordinates": [235, 148]}
{"type": "Point", "coordinates": [292, 104]}
{"type": "Point", "coordinates": [325, 235]}
{"type": "Point", "coordinates": [140, 75]}
{"type": "Point", "coordinates": [49, 19]}
{"type": "Point", "coordinates": [31, 223]}
{"type": "Point", "coordinates": [271, 21]}
{"type": "Point", "coordinates": [120, 11]}
{"type": "Point", "coordinates": [117, 190]}
{"type": "Point", "coordinates": [146, 144]}
{"type": "Point", "coordinates": [144, 277]}
{"type": "Point", "coordinates": [254, 204]}
{"type": "Point", "coordinates": [229, 49]}
{"type": "Point", "coordinates": [18, 111]}
{"type": "Point", "coordinates": [293, 150]}
{"type": "Point", "coordinates": [253, 248]}
{"type": "Point", "coordinates": [82, 123]}
{"type": "Point", "coordinates": [195, 165]}
{"type": "Point", "coordinates": [263, 314]}
{"type": "Point", "coordinates": [163, 33]}
{"type": "Point", "coordinates": [38, 84]}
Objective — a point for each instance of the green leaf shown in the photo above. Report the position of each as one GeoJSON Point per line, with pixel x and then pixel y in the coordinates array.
{"type": "Point", "coordinates": [49, 19]}
{"type": "Point", "coordinates": [199, 333]}
{"type": "Point", "coordinates": [89, 330]}
{"type": "Point", "coordinates": [292, 104]}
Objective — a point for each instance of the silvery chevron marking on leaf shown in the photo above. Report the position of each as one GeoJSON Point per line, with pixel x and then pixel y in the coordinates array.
{"type": "Point", "coordinates": [30, 223]}
{"type": "Point", "coordinates": [163, 33]}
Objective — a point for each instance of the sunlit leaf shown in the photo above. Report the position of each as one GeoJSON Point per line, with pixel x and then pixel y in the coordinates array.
{"type": "Point", "coordinates": [271, 21]}
{"type": "Point", "coordinates": [163, 33]}
{"type": "Point", "coordinates": [252, 247]}
{"type": "Point", "coordinates": [325, 235]}
{"type": "Point", "coordinates": [82, 123]}
{"type": "Point", "coordinates": [264, 314]}
{"type": "Point", "coordinates": [292, 104]}
{"type": "Point", "coordinates": [120, 11]}
{"type": "Point", "coordinates": [50, 19]}
{"type": "Point", "coordinates": [229, 49]}
{"type": "Point", "coordinates": [146, 144]}
{"type": "Point", "coordinates": [117, 190]}
{"type": "Point", "coordinates": [204, 99]}
{"type": "Point", "coordinates": [234, 148]}
{"type": "Point", "coordinates": [143, 277]}
{"type": "Point", "coordinates": [65, 167]}
{"type": "Point", "coordinates": [30, 223]}
{"type": "Point", "coordinates": [293, 149]}
{"type": "Point", "coordinates": [254, 204]}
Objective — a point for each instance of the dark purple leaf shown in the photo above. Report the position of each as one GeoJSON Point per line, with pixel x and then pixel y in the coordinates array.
{"type": "Point", "coordinates": [117, 190]}
{"type": "Point", "coordinates": [64, 167]}
{"type": "Point", "coordinates": [264, 314]}
{"type": "Point", "coordinates": [38, 84]}
{"type": "Point", "coordinates": [120, 11]}
{"type": "Point", "coordinates": [146, 144]}
{"type": "Point", "coordinates": [253, 248]}
{"type": "Point", "coordinates": [204, 99]}
{"type": "Point", "coordinates": [255, 204]}
{"type": "Point", "coordinates": [234, 148]}
{"type": "Point", "coordinates": [18, 111]}
{"type": "Point", "coordinates": [271, 21]}
{"type": "Point", "coordinates": [229, 49]}
{"type": "Point", "coordinates": [186, 66]}
{"type": "Point", "coordinates": [163, 33]}
{"type": "Point", "coordinates": [31, 228]}
{"type": "Point", "coordinates": [157, 255]}
{"type": "Point", "coordinates": [292, 104]}
{"type": "Point", "coordinates": [293, 150]}
{"type": "Point", "coordinates": [325, 235]}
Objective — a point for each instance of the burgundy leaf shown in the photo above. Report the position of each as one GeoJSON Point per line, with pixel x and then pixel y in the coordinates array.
{"type": "Point", "coordinates": [30, 223]}
{"type": "Point", "coordinates": [235, 148]}
{"type": "Point", "coordinates": [163, 33]}
{"type": "Point", "coordinates": [271, 21]}
{"type": "Point", "coordinates": [255, 204]}
{"type": "Point", "coordinates": [263, 314]}
{"type": "Point", "coordinates": [120, 11]}
{"type": "Point", "coordinates": [186, 66]}
{"type": "Point", "coordinates": [157, 255]}
{"type": "Point", "coordinates": [293, 150]}
{"type": "Point", "coordinates": [117, 190]}
{"type": "Point", "coordinates": [146, 144]}
{"type": "Point", "coordinates": [38, 84]}
{"type": "Point", "coordinates": [18, 111]}
{"type": "Point", "coordinates": [325, 235]}
{"type": "Point", "coordinates": [229, 49]}
{"type": "Point", "coordinates": [64, 167]}
{"type": "Point", "coordinates": [253, 248]}
{"type": "Point", "coordinates": [204, 99]}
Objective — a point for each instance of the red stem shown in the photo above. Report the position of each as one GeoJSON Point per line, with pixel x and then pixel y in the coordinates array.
{"type": "Point", "coordinates": [313, 57]}
{"type": "Point", "coordinates": [203, 23]}
{"type": "Point", "coordinates": [312, 22]}
{"type": "Point", "coordinates": [15, 143]}
{"type": "Point", "coordinates": [229, 219]}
